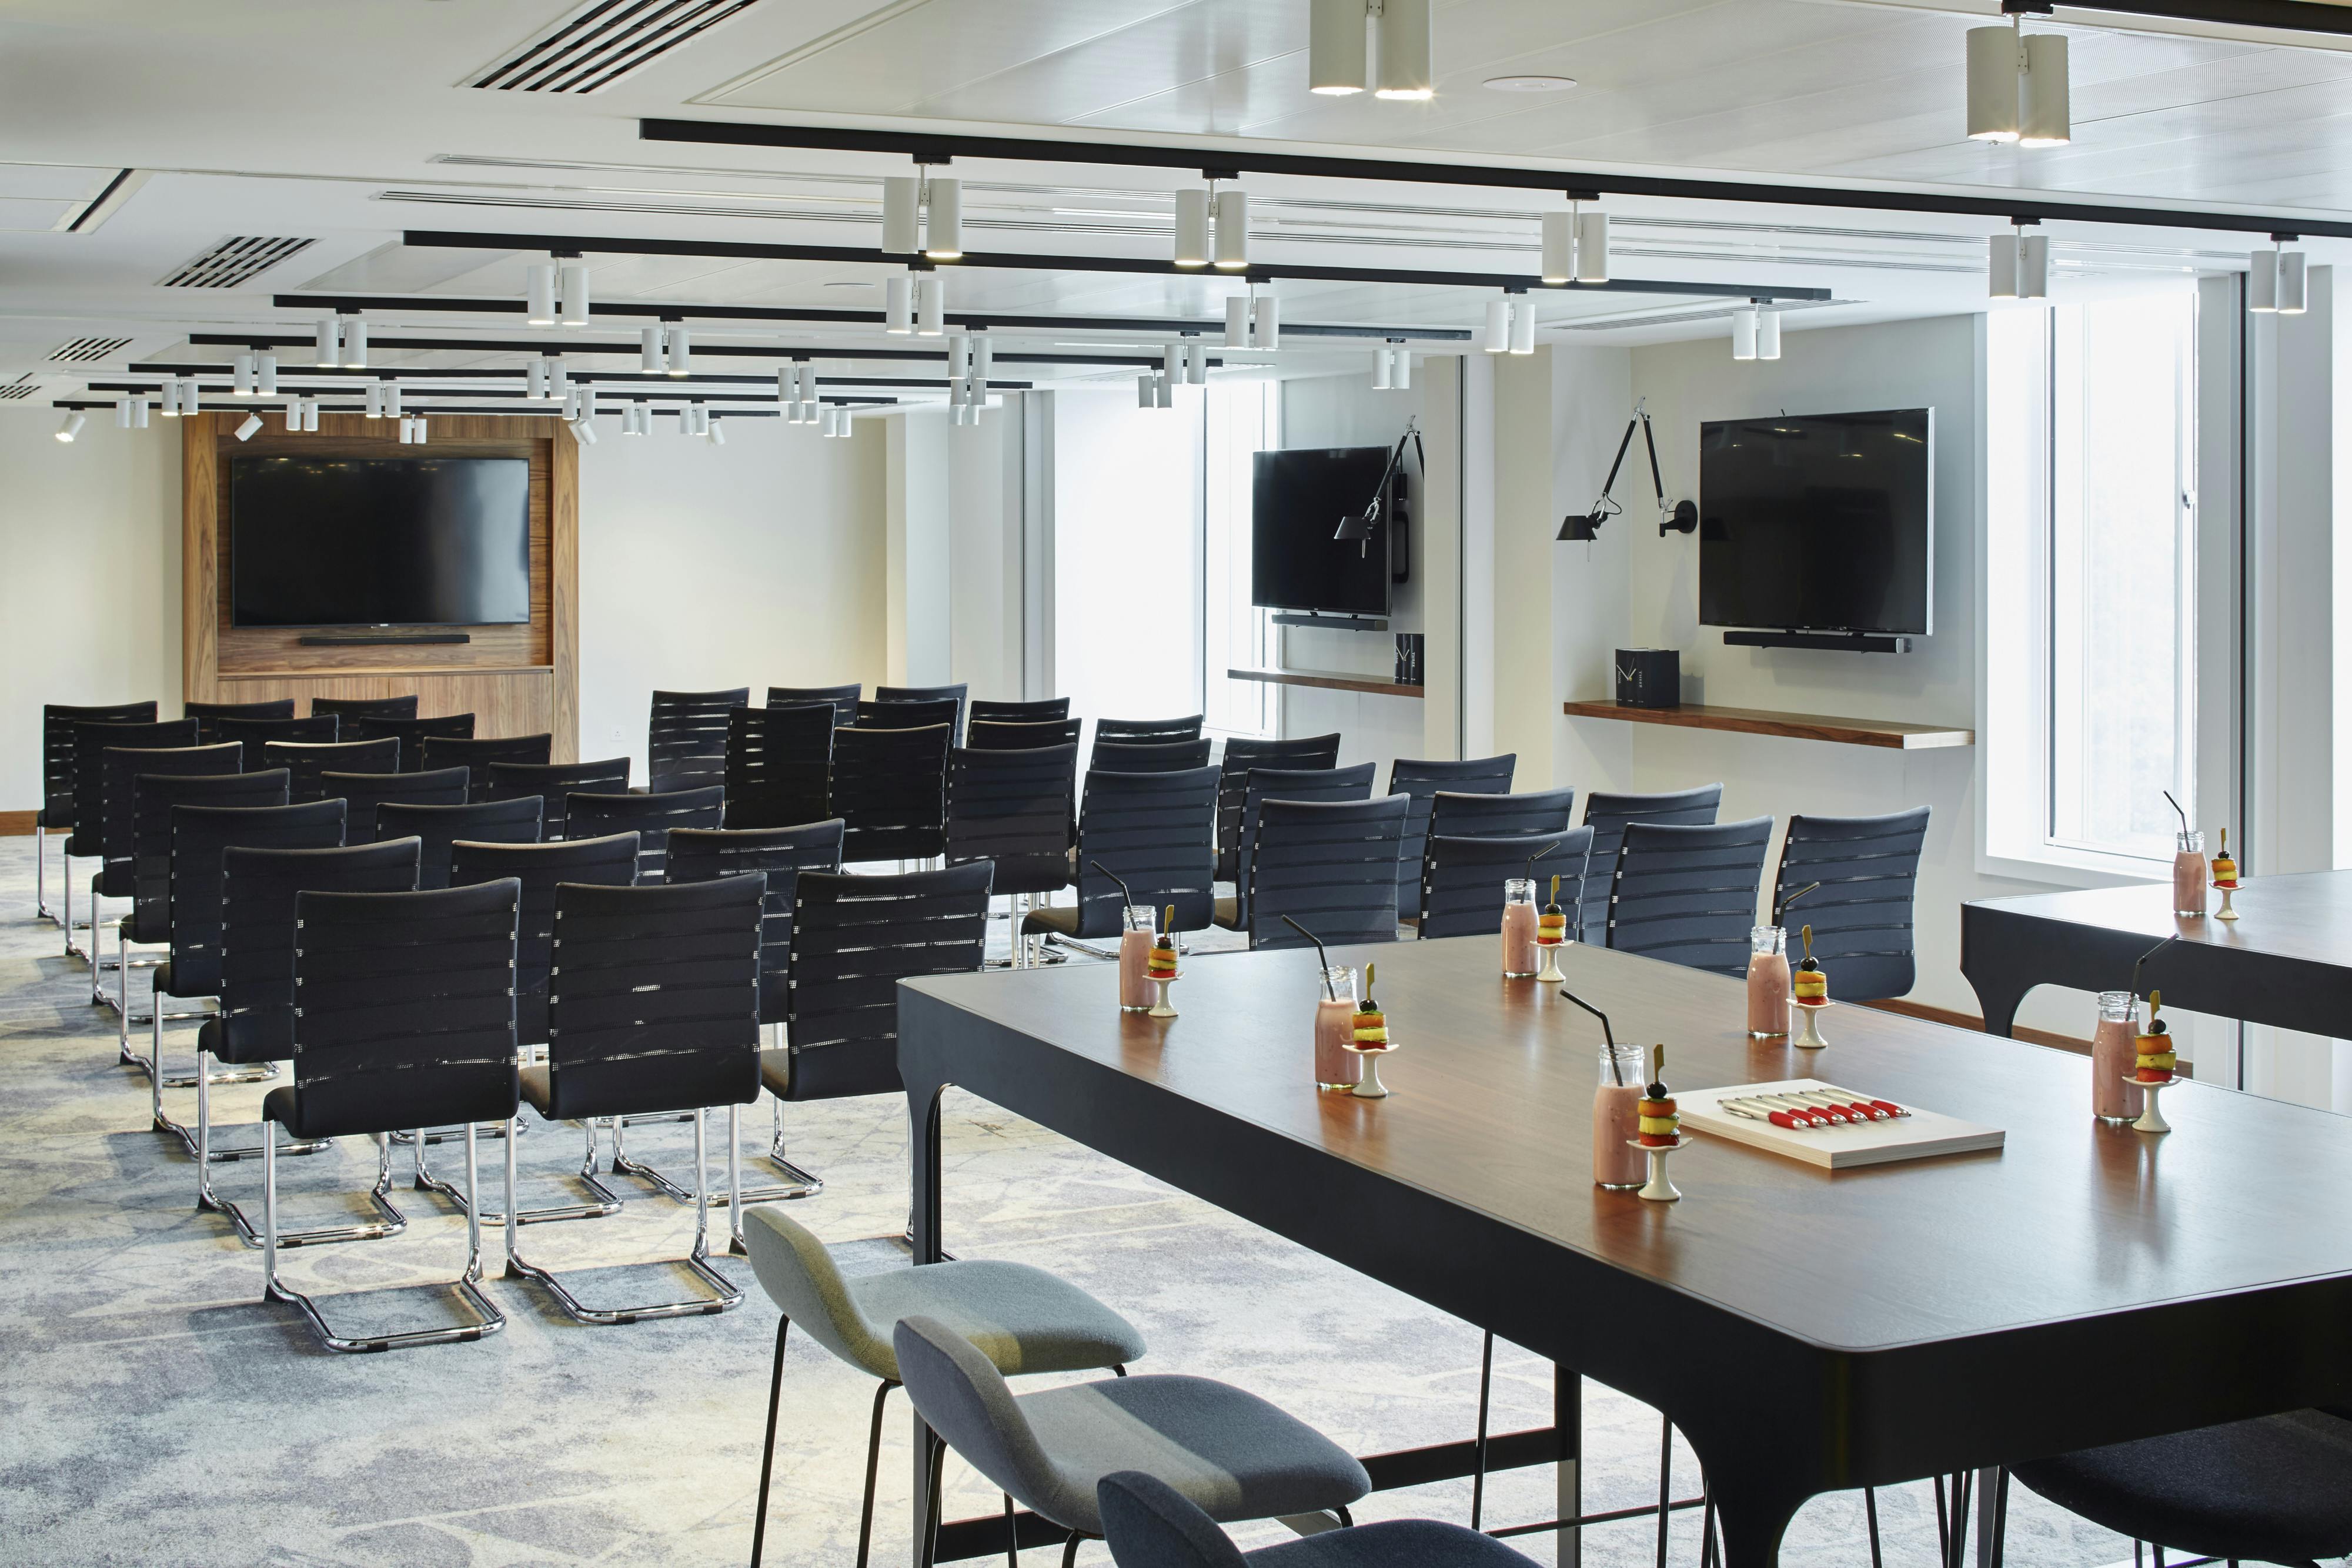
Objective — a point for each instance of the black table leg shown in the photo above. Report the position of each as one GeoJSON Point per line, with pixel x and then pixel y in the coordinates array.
{"type": "Point", "coordinates": [1568, 1431]}
{"type": "Point", "coordinates": [923, 1142]}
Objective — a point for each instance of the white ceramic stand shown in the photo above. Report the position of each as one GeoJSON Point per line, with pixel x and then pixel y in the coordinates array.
{"type": "Point", "coordinates": [2151, 1119]}
{"type": "Point", "coordinates": [1161, 1008]}
{"type": "Point", "coordinates": [2225, 912]}
{"type": "Point", "coordinates": [1371, 1088]}
{"type": "Point", "coordinates": [1549, 974]}
{"type": "Point", "coordinates": [1809, 1038]}
{"type": "Point", "coordinates": [1659, 1188]}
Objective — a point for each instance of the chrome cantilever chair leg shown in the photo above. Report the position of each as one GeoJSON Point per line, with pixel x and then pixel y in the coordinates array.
{"type": "Point", "coordinates": [41, 910]}
{"type": "Point", "coordinates": [207, 1201]}
{"type": "Point", "coordinates": [798, 1184]}
{"type": "Point", "coordinates": [198, 1141]}
{"type": "Point", "coordinates": [606, 1200]}
{"type": "Point", "coordinates": [451, 1134]}
{"type": "Point", "coordinates": [490, 1319]}
{"type": "Point", "coordinates": [697, 1261]}
{"type": "Point", "coordinates": [152, 1064]}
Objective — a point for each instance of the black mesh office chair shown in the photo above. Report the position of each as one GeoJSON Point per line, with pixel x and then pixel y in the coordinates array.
{"type": "Point", "coordinates": [1046, 710]}
{"type": "Point", "coordinates": [91, 738]}
{"type": "Point", "coordinates": [209, 715]}
{"type": "Point", "coordinates": [844, 699]}
{"type": "Point", "coordinates": [1146, 731]}
{"type": "Point", "coordinates": [56, 809]}
{"type": "Point", "coordinates": [890, 787]}
{"type": "Point", "coordinates": [1331, 866]}
{"type": "Point", "coordinates": [1170, 756]}
{"type": "Point", "coordinates": [437, 829]}
{"type": "Point", "coordinates": [318, 730]}
{"type": "Point", "coordinates": [1868, 868]}
{"type": "Point", "coordinates": [1462, 879]}
{"type": "Point", "coordinates": [1607, 815]}
{"type": "Point", "coordinates": [1233, 782]}
{"type": "Point", "coordinates": [412, 733]}
{"type": "Point", "coordinates": [1022, 734]}
{"type": "Point", "coordinates": [780, 854]}
{"type": "Point", "coordinates": [367, 791]}
{"type": "Point", "coordinates": [149, 924]}
{"type": "Point", "coordinates": [446, 1053]}
{"type": "Point", "coordinates": [650, 817]}
{"type": "Point", "coordinates": [780, 764]}
{"type": "Point", "coordinates": [1420, 779]}
{"type": "Point", "coordinates": [1686, 893]}
{"type": "Point", "coordinates": [309, 765]}
{"type": "Point", "coordinates": [256, 1021]}
{"type": "Point", "coordinates": [552, 782]}
{"type": "Point", "coordinates": [475, 754]}
{"type": "Point", "coordinates": [1156, 833]}
{"type": "Point", "coordinates": [654, 1008]}
{"type": "Point", "coordinates": [1265, 784]}
{"type": "Point", "coordinates": [365, 707]}
{"type": "Point", "coordinates": [1015, 809]}
{"type": "Point", "coordinates": [955, 693]}
{"type": "Point", "coordinates": [119, 772]}
{"type": "Point", "coordinates": [911, 713]}
{"type": "Point", "coordinates": [686, 738]}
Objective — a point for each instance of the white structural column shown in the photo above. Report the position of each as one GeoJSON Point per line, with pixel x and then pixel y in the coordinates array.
{"type": "Point", "coordinates": [917, 567]}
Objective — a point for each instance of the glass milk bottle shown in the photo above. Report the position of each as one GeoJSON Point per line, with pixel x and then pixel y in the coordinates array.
{"type": "Point", "coordinates": [2115, 1057]}
{"type": "Point", "coordinates": [1768, 982]}
{"type": "Point", "coordinates": [1135, 959]}
{"type": "Point", "coordinates": [1616, 1122]}
{"type": "Point", "coordinates": [1519, 928]}
{"type": "Point", "coordinates": [2188, 876]}
{"type": "Point", "coordinates": [1336, 1067]}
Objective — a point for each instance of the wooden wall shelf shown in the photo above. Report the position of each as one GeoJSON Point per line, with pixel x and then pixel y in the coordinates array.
{"type": "Point", "coordinates": [1328, 680]}
{"type": "Point", "coordinates": [1888, 733]}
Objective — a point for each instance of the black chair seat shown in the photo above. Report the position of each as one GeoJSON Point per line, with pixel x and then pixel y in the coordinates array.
{"type": "Point", "coordinates": [1062, 918]}
{"type": "Point", "coordinates": [2273, 1489]}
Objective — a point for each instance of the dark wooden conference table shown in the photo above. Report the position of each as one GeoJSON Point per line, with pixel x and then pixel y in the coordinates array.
{"type": "Point", "coordinates": [2286, 960]}
{"type": "Point", "coordinates": [1809, 1332]}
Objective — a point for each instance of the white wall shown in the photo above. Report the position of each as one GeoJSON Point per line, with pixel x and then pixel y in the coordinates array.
{"type": "Point", "coordinates": [751, 564]}
{"type": "Point", "coordinates": [90, 598]}
{"type": "Point", "coordinates": [984, 549]}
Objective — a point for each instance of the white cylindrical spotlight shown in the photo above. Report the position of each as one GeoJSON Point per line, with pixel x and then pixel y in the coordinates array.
{"type": "Point", "coordinates": [122, 414]}
{"type": "Point", "coordinates": [1172, 362]}
{"type": "Point", "coordinates": [240, 373]}
{"type": "Point", "coordinates": [898, 304]}
{"type": "Point", "coordinates": [1496, 338]}
{"type": "Point", "coordinates": [1381, 370]}
{"type": "Point", "coordinates": [1146, 395]}
{"type": "Point", "coordinates": [902, 208]}
{"type": "Point", "coordinates": [681, 352]}
{"type": "Point", "coordinates": [534, 380]}
{"type": "Point", "coordinates": [330, 351]}
{"type": "Point", "coordinates": [930, 305]}
{"type": "Point", "coordinates": [571, 408]}
{"type": "Point", "coordinates": [167, 398]}
{"type": "Point", "coordinates": [1408, 34]}
{"type": "Point", "coordinates": [2033, 267]}
{"type": "Point", "coordinates": [2294, 292]}
{"type": "Point", "coordinates": [649, 351]}
{"type": "Point", "coordinates": [75, 421]}
{"type": "Point", "coordinates": [1196, 363]}
{"type": "Point", "coordinates": [1593, 247]}
{"type": "Point", "coordinates": [574, 311]}
{"type": "Point", "coordinates": [354, 342]}
{"type": "Point", "coordinates": [1767, 334]}
{"type": "Point", "coordinates": [2044, 117]}
{"type": "Point", "coordinates": [1265, 323]}
{"type": "Point", "coordinates": [583, 433]}
{"type": "Point", "coordinates": [587, 402]}
{"type": "Point", "coordinates": [375, 406]}
{"type": "Point", "coordinates": [1994, 70]}
{"type": "Point", "coordinates": [246, 431]}
{"type": "Point", "coordinates": [984, 355]}
{"type": "Point", "coordinates": [1232, 230]}
{"type": "Point", "coordinates": [392, 400]}
{"type": "Point", "coordinates": [538, 294]}
{"type": "Point", "coordinates": [1338, 58]}
{"type": "Point", "coordinates": [1559, 247]}
{"type": "Point", "coordinates": [139, 413]}
{"type": "Point", "coordinates": [294, 417]}
{"type": "Point", "coordinates": [2000, 266]}
{"type": "Point", "coordinates": [943, 219]}
{"type": "Point", "coordinates": [265, 375]}
{"type": "Point", "coordinates": [1743, 332]}
{"type": "Point", "coordinates": [1193, 227]}
{"type": "Point", "coordinates": [1237, 321]}
{"type": "Point", "coordinates": [1163, 391]}
{"type": "Point", "coordinates": [1401, 377]}
{"type": "Point", "coordinates": [788, 393]}
{"type": "Point", "coordinates": [559, 377]}
{"type": "Point", "coordinates": [311, 416]}
{"type": "Point", "coordinates": [2263, 281]}
{"type": "Point", "coordinates": [1523, 324]}
{"type": "Point", "coordinates": [711, 428]}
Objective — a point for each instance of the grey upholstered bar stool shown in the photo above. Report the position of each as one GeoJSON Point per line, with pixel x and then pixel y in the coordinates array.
{"type": "Point", "coordinates": [1230, 1452]}
{"type": "Point", "coordinates": [1023, 1320]}
{"type": "Point", "coordinates": [1150, 1525]}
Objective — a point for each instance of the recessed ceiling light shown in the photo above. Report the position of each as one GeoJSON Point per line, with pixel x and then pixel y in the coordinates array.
{"type": "Point", "coordinates": [1531, 84]}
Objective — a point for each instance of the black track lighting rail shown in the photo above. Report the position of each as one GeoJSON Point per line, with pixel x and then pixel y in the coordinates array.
{"type": "Point", "coordinates": [266, 407]}
{"type": "Point", "coordinates": [2287, 16]}
{"type": "Point", "coordinates": [637, 383]}
{"type": "Point", "coordinates": [938, 147]}
{"type": "Point", "coordinates": [715, 350]}
{"type": "Point", "coordinates": [1027, 261]}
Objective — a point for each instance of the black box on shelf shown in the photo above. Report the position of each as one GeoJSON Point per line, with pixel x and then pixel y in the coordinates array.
{"type": "Point", "coordinates": [1649, 677]}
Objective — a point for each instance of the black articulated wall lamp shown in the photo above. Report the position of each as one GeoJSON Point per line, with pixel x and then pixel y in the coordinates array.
{"type": "Point", "coordinates": [1356, 528]}
{"type": "Point", "coordinates": [1681, 517]}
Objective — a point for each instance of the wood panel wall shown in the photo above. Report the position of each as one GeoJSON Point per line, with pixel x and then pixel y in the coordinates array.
{"type": "Point", "coordinates": [515, 680]}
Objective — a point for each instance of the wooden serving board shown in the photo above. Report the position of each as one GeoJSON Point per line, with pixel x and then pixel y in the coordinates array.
{"type": "Point", "coordinates": [1920, 1135]}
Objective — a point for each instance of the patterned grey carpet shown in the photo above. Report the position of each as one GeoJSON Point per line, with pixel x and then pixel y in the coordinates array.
{"type": "Point", "coordinates": [153, 1409]}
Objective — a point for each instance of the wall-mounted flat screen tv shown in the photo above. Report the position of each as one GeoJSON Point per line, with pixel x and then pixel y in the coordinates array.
{"type": "Point", "coordinates": [1818, 522]}
{"type": "Point", "coordinates": [1297, 499]}
{"type": "Point", "coordinates": [380, 541]}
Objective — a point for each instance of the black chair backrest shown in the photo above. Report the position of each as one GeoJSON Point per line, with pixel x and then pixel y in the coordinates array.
{"type": "Point", "coordinates": [686, 738]}
{"type": "Point", "coordinates": [259, 887]}
{"type": "Point", "coordinates": [553, 781]}
{"type": "Point", "coordinates": [365, 707]}
{"type": "Point", "coordinates": [1155, 831]}
{"type": "Point", "coordinates": [955, 693]}
{"type": "Point", "coordinates": [318, 730]}
{"type": "Point", "coordinates": [607, 862]}
{"type": "Point", "coordinates": [200, 836]}
{"type": "Point", "coordinates": [407, 1015]}
{"type": "Point", "coordinates": [209, 715]}
{"type": "Point", "coordinates": [779, 765]}
{"type": "Point", "coordinates": [1420, 779]}
{"type": "Point", "coordinates": [475, 753]}
{"type": "Point", "coordinates": [155, 798]}
{"type": "Point", "coordinates": [704, 854]}
{"type": "Point", "coordinates": [310, 765]}
{"type": "Point", "coordinates": [57, 721]}
{"type": "Point", "coordinates": [650, 817]}
{"type": "Point", "coordinates": [1146, 731]}
{"type": "Point", "coordinates": [1501, 816]}
{"type": "Point", "coordinates": [367, 792]}
{"type": "Point", "coordinates": [1170, 756]}
{"type": "Point", "coordinates": [120, 771]}
{"type": "Point", "coordinates": [1868, 868]}
{"type": "Point", "coordinates": [854, 940]}
{"type": "Point", "coordinates": [1026, 735]}
{"type": "Point", "coordinates": [1607, 815]}
{"type": "Point", "coordinates": [412, 733]}
{"type": "Point", "coordinates": [653, 998]}
{"type": "Point", "coordinates": [1046, 710]}
{"type": "Point", "coordinates": [1330, 866]}
{"type": "Point", "coordinates": [91, 740]}
{"type": "Point", "coordinates": [1462, 879]}
{"type": "Point", "coordinates": [1232, 783]}
{"type": "Point", "coordinates": [843, 698]}
{"type": "Point", "coordinates": [890, 787]}
{"type": "Point", "coordinates": [910, 713]}
{"type": "Point", "coordinates": [437, 828]}
{"type": "Point", "coordinates": [1013, 807]}
{"type": "Point", "coordinates": [1288, 784]}
{"type": "Point", "coordinates": [1686, 894]}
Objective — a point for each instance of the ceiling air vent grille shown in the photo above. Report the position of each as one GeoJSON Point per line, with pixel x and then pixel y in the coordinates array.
{"type": "Point", "coordinates": [88, 350]}
{"type": "Point", "coordinates": [232, 263]}
{"type": "Point", "coordinates": [605, 41]}
{"type": "Point", "coordinates": [22, 387]}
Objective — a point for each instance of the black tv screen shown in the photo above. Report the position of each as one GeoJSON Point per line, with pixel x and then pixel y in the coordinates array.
{"type": "Point", "coordinates": [380, 541]}
{"type": "Point", "coordinates": [1818, 522]}
{"type": "Point", "coordinates": [1297, 499]}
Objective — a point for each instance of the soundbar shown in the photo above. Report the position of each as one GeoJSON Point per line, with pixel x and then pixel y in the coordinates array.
{"type": "Point", "coordinates": [379, 638]}
{"type": "Point", "coordinates": [1828, 641]}
{"type": "Point", "coordinates": [1332, 622]}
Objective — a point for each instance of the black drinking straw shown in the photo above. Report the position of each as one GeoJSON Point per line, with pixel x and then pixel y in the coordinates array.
{"type": "Point", "coordinates": [1538, 855]}
{"type": "Point", "coordinates": [2144, 957]}
{"type": "Point", "coordinates": [1126, 899]}
{"type": "Point", "coordinates": [1781, 910]}
{"type": "Point", "coordinates": [1607, 1034]}
{"type": "Point", "coordinates": [1329, 989]}
{"type": "Point", "coordinates": [2177, 810]}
